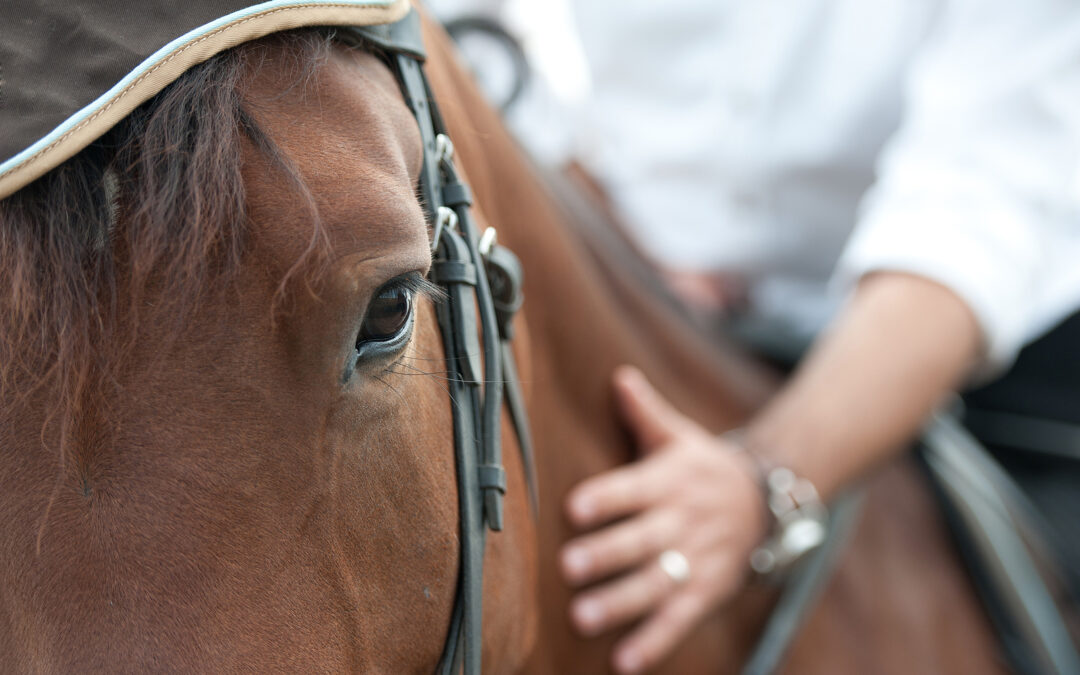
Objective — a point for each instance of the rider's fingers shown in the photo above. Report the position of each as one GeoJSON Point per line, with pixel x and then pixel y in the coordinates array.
{"type": "Point", "coordinates": [620, 601]}
{"type": "Point", "coordinates": [652, 419]}
{"type": "Point", "coordinates": [660, 633]}
{"type": "Point", "coordinates": [620, 546]}
{"type": "Point", "coordinates": [622, 491]}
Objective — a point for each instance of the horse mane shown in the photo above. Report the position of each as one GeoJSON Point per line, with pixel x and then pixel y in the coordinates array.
{"type": "Point", "coordinates": [137, 229]}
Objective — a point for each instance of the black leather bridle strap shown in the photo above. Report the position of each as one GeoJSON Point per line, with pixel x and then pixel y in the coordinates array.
{"type": "Point", "coordinates": [457, 316]}
{"type": "Point", "coordinates": [491, 473]}
{"type": "Point", "coordinates": [506, 278]}
{"type": "Point", "coordinates": [475, 339]}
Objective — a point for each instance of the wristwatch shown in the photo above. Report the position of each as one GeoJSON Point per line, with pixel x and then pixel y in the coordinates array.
{"type": "Point", "coordinates": [800, 521]}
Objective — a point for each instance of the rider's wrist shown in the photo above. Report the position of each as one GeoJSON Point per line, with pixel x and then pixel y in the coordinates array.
{"type": "Point", "coordinates": [798, 518]}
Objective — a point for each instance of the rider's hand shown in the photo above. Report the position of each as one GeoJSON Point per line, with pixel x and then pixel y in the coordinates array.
{"type": "Point", "coordinates": [691, 492]}
{"type": "Point", "coordinates": [707, 292]}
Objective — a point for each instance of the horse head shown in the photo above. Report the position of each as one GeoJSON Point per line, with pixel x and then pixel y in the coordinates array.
{"type": "Point", "coordinates": [225, 426]}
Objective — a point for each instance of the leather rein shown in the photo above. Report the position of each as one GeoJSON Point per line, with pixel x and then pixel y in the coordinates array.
{"type": "Point", "coordinates": [482, 281]}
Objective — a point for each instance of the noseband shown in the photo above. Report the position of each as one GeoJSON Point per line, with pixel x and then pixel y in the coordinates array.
{"type": "Point", "coordinates": [483, 285]}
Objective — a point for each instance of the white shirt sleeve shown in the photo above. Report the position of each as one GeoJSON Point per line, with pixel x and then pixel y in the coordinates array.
{"type": "Point", "coordinates": [978, 189]}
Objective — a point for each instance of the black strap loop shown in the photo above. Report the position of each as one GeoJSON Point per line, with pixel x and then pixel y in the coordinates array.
{"type": "Point", "coordinates": [453, 272]}
{"type": "Point", "coordinates": [492, 477]}
{"type": "Point", "coordinates": [505, 277]}
{"type": "Point", "coordinates": [457, 194]}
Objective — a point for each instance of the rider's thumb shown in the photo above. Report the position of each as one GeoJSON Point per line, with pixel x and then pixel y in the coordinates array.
{"type": "Point", "coordinates": [653, 421]}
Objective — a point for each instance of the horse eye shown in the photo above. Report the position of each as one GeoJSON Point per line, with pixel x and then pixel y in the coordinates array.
{"type": "Point", "coordinates": [387, 315]}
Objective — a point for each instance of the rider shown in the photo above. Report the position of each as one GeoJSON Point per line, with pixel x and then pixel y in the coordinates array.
{"type": "Point", "coordinates": [943, 133]}
{"type": "Point", "coordinates": [924, 153]}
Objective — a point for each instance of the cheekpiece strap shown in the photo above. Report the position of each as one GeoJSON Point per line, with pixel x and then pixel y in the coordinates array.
{"type": "Point", "coordinates": [475, 369]}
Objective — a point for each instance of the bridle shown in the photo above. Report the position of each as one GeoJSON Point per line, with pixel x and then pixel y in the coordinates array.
{"type": "Point", "coordinates": [482, 281]}
{"type": "Point", "coordinates": [483, 284]}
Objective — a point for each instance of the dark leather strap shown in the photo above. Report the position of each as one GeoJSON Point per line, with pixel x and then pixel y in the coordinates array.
{"type": "Point", "coordinates": [492, 477]}
{"type": "Point", "coordinates": [445, 272]}
{"type": "Point", "coordinates": [401, 37]}
{"type": "Point", "coordinates": [519, 417]}
{"type": "Point", "coordinates": [475, 367]}
{"type": "Point", "coordinates": [999, 536]}
{"type": "Point", "coordinates": [506, 278]}
{"type": "Point", "coordinates": [802, 589]}
{"type": "Point", "coordinates": [458, 319]}
{"type": "Point", "coordinates": [490, 440]}
{"type": "Point", "coordinates": [457, 194]}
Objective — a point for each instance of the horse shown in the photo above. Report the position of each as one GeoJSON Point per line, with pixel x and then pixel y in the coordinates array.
{"type": "Point", "coordinates": [194, 480]}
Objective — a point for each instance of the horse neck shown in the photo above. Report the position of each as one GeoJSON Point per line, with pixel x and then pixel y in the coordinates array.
{"type": "Point", "coordinates": [580, 324]}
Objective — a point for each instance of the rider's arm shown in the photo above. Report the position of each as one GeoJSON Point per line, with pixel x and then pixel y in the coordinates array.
{"type": "Point", "coordinates": [901, 345]}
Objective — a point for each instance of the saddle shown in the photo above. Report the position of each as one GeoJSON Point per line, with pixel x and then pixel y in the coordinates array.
{"type": "Point", "coordinates": [1018, 529]}
{"type": "Point", "coordinates": [1008, 547]}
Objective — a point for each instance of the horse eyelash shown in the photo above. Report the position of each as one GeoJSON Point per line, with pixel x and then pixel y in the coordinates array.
{"type": "Point", "coordinates": [419, 285]}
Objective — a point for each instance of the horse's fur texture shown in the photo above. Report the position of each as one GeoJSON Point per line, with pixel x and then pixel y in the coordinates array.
{"type": "Point", "coordinates": [172, 172]}
{"type": "Point", "coordinates": [187, 484]}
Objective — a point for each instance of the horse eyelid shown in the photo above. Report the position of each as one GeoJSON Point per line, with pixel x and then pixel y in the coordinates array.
{"type": "Point", "coordinates": [416, 284]}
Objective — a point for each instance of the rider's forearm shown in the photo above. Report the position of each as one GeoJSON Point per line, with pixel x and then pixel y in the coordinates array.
{"type": "Point", "coordinates": [901, 345]}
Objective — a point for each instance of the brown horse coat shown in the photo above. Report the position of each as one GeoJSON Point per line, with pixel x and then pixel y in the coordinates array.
{"type": "Point", "coordinates": [211, 496]}
{"type": "Point", "coordinates": [222, 500]}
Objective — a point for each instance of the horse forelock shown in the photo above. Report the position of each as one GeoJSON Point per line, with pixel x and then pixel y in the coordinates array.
{"type": "Point", "coordinates": [139, 229]}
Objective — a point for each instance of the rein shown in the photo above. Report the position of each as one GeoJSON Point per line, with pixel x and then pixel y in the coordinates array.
{"type": "Point", "coordinates": [468, 267]}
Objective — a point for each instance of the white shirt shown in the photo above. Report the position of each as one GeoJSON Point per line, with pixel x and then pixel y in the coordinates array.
{"type": "Point", "coordinates": [542, 117]}
{"type": "Point", "coordinates": [755, 137]}
{"type": "Point", "coordinates": [794, 140]}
